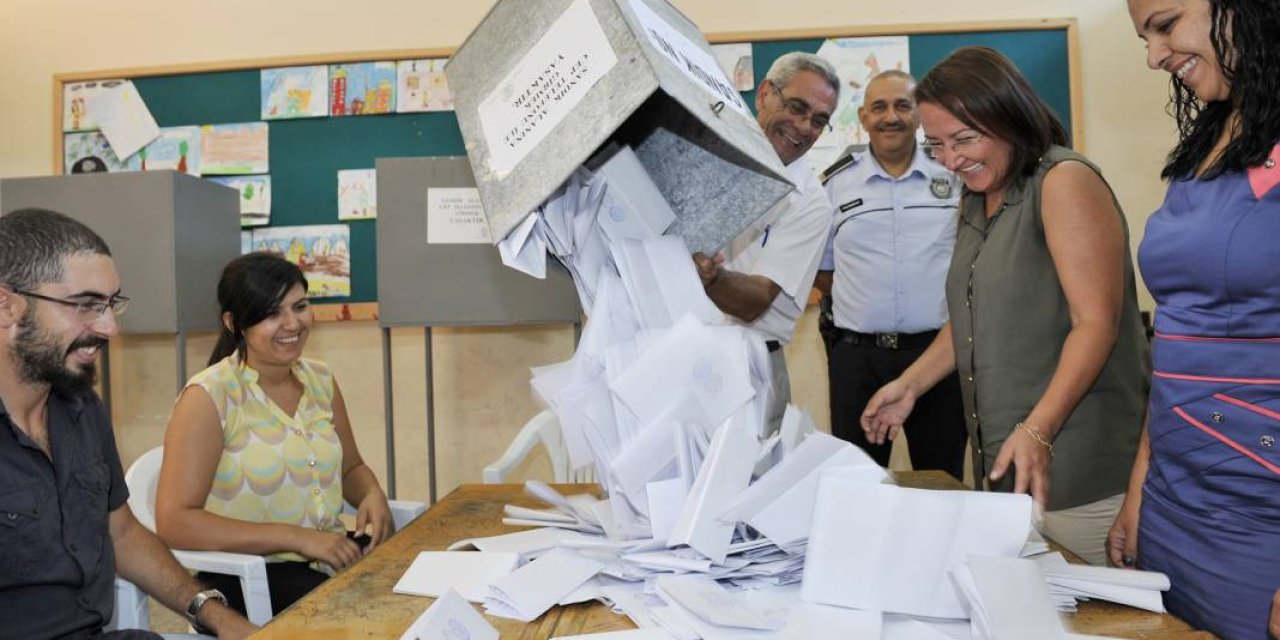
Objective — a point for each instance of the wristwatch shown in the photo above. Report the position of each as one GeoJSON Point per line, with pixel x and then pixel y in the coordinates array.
{"type": "Point", "coordinates": [198, 602]}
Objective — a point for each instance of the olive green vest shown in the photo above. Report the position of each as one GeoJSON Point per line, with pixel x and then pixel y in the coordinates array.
{"type": "Point", "coordinates": [1009, 319]}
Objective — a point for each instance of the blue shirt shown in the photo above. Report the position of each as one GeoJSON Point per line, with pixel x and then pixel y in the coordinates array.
{"type": "Point", "coordinates": [891, 244]}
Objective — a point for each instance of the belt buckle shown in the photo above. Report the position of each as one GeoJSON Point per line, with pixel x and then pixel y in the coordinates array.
{"type": "Point", "coordinates": [887, 340]}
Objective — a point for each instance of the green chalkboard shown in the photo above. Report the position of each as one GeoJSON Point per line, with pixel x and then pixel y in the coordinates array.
{"type": "Point", "coordinates": [306, 154]}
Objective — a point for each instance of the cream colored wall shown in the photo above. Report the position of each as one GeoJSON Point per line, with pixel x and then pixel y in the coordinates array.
{"type": "Point", "coordinates": [481, 374]}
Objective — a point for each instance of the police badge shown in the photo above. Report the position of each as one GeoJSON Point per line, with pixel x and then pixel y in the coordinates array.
{"type": "Point", "coordinates": [940, 186]}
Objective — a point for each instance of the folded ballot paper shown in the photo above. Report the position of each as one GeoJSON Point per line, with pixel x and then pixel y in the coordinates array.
{"type": "Point", "coordinates": [1071, 582]}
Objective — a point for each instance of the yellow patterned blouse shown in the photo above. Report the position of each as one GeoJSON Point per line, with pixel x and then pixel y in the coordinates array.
{"type": "Point", "coordinates": [275, 467]}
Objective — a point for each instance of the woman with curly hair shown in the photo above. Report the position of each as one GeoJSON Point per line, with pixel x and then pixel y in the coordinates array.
{"type": "Point", "coordinates": [1204, 499]}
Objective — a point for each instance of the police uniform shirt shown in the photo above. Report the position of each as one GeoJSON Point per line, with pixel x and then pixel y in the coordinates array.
{"type": "Point", "coordinates": [785, 246]}
{"type": "Point", "coordinates": [891, 243]}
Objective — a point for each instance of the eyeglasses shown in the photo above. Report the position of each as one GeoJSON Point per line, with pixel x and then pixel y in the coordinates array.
{"type": "Point", "coordinates": [801, 109]}
{"type": "Point", "coordinates": [86, 309]}
{"type": "Point", "coordinates": [935, 149]}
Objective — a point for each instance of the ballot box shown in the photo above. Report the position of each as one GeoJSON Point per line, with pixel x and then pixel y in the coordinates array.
{"type": "Point", "coordinates": [541, 85]}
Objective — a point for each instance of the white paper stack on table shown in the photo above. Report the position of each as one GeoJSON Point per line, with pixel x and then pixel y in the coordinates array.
{"type": "Point", "coordinates": [1069, 583]}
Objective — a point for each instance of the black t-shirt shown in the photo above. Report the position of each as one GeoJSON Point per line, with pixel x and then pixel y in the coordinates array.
{"type": "Point", "coordinates": [57, 576]}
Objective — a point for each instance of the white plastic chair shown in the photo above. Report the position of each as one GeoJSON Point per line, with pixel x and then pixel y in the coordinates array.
{"type": "Point", "coordinates": [133, 608]}
{"type": "Point", "coordinates": [543, 428]}
{"type": "Point", "coordinates": [142, 478]}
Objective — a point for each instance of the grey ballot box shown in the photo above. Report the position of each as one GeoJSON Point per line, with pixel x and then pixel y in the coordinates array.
{"type": "Point", "coordinates": [170, 234]}
{"type": "Point", "coordinates": [541, 85]}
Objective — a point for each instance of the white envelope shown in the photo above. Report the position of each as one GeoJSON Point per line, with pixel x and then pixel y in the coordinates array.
{"type": "Point", "coordinates": [1014, 599]}
{"type": "Point", "coordinates": [525, 248]}
{"type": "Point", "coordinates": [632, 600]}
{"type": "Point", "coordinates": [690, 357]}
{"type": "Point", "coordinates": [468, 572]}
{"type": "Point", "coordinates": [886, 548]}
{"type": "Point", "coordinates": [666, 499]}
{"type": "Point", "coordinates": [450, 616]}
{"type": "Point", "coordinates": [725, 473]}
{"type": "Point", "coordinates": [633, 206]}
{"type": "Point", "coordinates": [528, 544]}
{"type": "Point", "coordinates": [633, 634]}
{"type": "Point", "coordinates": [780, 504]}
{"type": "Point", "coordinates": [709, 601]}
{"type": "Point", "coordinates": [903, 628]}
{"type": "Point", "coordinates": [531, 590]}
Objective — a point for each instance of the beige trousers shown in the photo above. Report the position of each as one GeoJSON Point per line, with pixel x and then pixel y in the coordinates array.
{"type": "Point", "coordinates": [1083, 529]}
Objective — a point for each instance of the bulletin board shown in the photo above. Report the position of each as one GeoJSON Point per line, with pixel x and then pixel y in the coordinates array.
{"type": "Point", "coordinates": [306, 154]}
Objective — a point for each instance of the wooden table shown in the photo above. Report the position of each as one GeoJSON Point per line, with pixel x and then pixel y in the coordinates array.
{"type": "Point", "coordinates": [358, 603]}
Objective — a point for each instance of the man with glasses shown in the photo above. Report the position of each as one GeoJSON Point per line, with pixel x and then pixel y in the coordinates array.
{"type": "Point", "coordinates": [884, 267]}
{"type": "Point", "coordinates": [67, 528]}
{"type": "Point", "coordinates": [763, 278]}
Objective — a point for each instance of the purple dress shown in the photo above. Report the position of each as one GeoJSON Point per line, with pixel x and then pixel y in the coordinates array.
{"type": "Point", "coordinates": [1211, 503]}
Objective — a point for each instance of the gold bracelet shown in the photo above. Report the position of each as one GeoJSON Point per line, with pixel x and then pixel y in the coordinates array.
{"type": "Point", "coordinates": [1035, 435]}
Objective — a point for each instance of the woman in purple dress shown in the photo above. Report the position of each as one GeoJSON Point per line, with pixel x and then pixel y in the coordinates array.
{"type": "Point", "coordinates": [1204, 499]}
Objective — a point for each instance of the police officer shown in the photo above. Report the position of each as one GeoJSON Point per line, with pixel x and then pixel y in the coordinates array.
{"type": "Point", "coordinates": [884, 266]}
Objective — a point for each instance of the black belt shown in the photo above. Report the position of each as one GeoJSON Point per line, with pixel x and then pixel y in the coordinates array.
{"type": "Point", "coordinates": [772, 345]}
{"type": "Point", "coordinates": [887, 340]}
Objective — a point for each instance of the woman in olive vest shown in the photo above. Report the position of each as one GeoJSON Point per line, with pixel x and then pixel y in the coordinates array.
{"type": "Point", "coordinates": [1044, 329]}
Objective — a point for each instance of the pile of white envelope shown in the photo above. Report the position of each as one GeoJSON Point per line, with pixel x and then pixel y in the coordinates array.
{"type": "Point", "coordinates": [713, 528]}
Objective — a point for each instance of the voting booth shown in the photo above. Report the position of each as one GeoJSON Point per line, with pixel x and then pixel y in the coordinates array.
{"type": "Point", "coordinates": [541, 85]}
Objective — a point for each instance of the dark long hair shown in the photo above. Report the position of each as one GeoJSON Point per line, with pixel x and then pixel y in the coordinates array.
{"type": "Point", "coordinates": [984, 90]}
{"type": "Point", "coordinates": [1243, 34]}
{"type": "Point", "coordinates": [250, 289]}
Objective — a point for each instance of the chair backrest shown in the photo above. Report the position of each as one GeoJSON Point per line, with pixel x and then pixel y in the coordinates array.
{"type": "Point", "coordinates": [141, 478]}
{"type": "Point", "coordinates": [144, 475]}
{"type": "Point", "coordinates": [543, 428]}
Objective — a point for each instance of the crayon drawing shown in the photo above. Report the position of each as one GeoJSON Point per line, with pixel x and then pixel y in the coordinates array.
{"type": "Point", "coordinates": [295, 92]}
{"type": "Point", "coordinates": [362, 88]}
{"type": "Point", "coordinates": [422, 86]}
{"type": "Point", "coordinates": [322, 251]}
{"type": "Point", "coordinates": [736, 61]}
{"type": "Point", "coordinates": [357, 194]}
{"type": "Point", "coordinates": [234, 149]}
{"type": "Point", "coordinates": [177, 148]}
{"type": "Point", "coordinates": [75, 100]}
{"type": "Point", "coordinates": [124, 118]}
{"type": "Point", "coordinates": [246, 242]}
{"type": "Point", "coordinates": [255, 198]}
{"type": "Point", "coordinates": [89, 152]}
